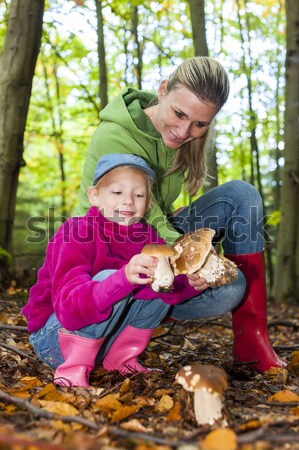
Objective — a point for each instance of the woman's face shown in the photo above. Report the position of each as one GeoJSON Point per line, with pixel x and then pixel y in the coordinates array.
{"type": "Point", "coordinates": [122, 195]}
{"type": "Point", "coordinates": [180, 116]}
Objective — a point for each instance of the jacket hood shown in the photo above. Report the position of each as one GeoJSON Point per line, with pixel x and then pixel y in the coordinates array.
{"type": "Point", "coordinates": [117, 111]}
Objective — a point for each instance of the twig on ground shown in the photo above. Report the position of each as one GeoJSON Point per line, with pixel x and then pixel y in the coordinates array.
{"type": "Point", "coordinates": [13, 328]}
{"type": "Point", "coordinates": [38, 412]}
{"type": "Point", "coordinates": [286, 347]}
{"type": "Point", "coordinates": [284, 323]}
{"type": "Point", "coordinates": [17, 351]}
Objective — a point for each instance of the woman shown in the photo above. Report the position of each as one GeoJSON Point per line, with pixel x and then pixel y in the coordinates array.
{"type": "Point", "coordinates": [170, 131]}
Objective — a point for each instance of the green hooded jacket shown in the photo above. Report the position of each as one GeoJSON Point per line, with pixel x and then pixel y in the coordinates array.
{"type": "Point", "coordinates": [125, 128]}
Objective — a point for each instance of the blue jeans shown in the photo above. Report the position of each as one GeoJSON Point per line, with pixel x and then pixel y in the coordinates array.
{"type": "Point", "coordinates": [128, 311]}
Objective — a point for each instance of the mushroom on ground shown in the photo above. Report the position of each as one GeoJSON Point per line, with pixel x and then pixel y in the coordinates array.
{"type": "Point", "coordinates": [194, 254]}
{"type": "Point", "coordinates": [208, 383]}
{"type": "Point", "coordinates": [163, 278]}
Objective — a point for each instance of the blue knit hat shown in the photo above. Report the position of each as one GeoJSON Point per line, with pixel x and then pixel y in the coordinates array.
{"type": "Point", "coordinates": [113, 160]}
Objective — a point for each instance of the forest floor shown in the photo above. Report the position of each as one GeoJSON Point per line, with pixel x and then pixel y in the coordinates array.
{"type": "Point", "coordinates": [149, 411]}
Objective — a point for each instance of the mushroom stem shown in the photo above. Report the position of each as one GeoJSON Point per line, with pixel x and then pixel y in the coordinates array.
{"type": "Point", "coordinates": [163, 277]}
{"type": "Point", "coordinates": [207, 406]}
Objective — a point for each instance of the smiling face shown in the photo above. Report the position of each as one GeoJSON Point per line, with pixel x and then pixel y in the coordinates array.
{"type": "Point", "coordinates": [122, 195]}
{"type": "Point", "coordinates": [180, 116]}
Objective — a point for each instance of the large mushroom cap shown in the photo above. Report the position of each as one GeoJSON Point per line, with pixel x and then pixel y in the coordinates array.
{"type": "Point", "coordinates": [191, 250]}
{"type": "Point", "coordinates": [158, 250]}
{"type": "Point", "coordinates": [196, 376]}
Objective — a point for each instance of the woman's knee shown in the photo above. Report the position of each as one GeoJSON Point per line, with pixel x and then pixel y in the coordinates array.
{"type": "Point", "coordinates": [244, 192]}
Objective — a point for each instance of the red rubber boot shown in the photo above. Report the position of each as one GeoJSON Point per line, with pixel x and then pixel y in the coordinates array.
{"type": "Point", "coordinates": [79, 359]}
{"type": "Point", "coordinates": [251, 339]}
{"type": "Point", "coordinates": [122, 355]}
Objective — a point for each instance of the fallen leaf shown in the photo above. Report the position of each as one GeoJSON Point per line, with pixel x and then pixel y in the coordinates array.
{"type": "Point", "coordinates": [251, 424]}
{"type": "Point", "coordinates": [108, 402]}
{"type": "Point", "coordinates": [295, 411]}
{"type": "Point", "coordinates": [50, 387]}
{"type": "Point", "coordinates": [165, 404]}
{"type": "Point", "coordinates": [126, 386]}
{"type": "Point", "coordinates": [134, 425]}
{"type": "Point", "coordinates": [293, 365]}
{"type": "Point", "coordinates": [175, 413]}
{"type": "Point", "coordinates": [124, 412]}
{"type": "Point", "coordinates": [220, 439]}
{"type": "Point", "coordinates": [284, 396]}
{"type": "Point", "coordinates": [64, 409]}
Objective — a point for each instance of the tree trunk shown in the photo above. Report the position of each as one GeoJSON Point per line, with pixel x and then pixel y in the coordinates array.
{"type": "Point", "coordinates": [198, 23]}
{"type": "Point", "coordinates": [17, 64]}
{"type": "Point", "coordinates": [139, 65]}
{"type": "Point", "coordinates": [103, 88]}
{"type": "Point", "coordinates": [286, 284]}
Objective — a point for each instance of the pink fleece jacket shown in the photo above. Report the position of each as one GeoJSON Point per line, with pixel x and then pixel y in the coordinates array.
{"type": "Point", "coordinates": [82, 247]}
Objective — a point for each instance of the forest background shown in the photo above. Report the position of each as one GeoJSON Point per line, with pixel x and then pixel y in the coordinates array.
{"type": "Point", "coordinates": [60, 63]}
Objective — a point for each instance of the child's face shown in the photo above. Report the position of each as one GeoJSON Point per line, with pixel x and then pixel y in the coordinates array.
{"type": "Point", "coordinates": [122, 195]}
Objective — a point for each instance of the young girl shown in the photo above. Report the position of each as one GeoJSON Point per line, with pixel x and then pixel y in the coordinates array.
{"type": "Point", "coordinates": [93, 290]}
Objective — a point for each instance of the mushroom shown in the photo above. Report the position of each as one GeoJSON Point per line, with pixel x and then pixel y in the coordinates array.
{"type": "Point", "coordinates": [163, 277]}
{"type": "Point", "coordinates": [208, 383]}
{"type": "Point", "coordinates": [194, 253]}
{"type": "Point", "coordinates": [191, 250]}
{"type": "Point", "coordinates": [218, 270]}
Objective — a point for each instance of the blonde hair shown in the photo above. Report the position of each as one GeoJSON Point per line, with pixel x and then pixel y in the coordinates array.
{"type": "Point", "coordinates": [208, 80]}
{"type": "Point", "coordinates": [149, 184]}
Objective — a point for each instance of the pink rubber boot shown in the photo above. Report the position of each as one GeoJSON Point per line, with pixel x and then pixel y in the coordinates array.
{"type": "Point", "coordinates": [251, 339]}
{"type": "Point", "coordinates": [129, 344]}
{"type": "Point", "coordinates": [79, 359]}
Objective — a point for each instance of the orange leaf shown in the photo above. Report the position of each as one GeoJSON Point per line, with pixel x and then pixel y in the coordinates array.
{"type": "Point", "coordinates": [124, 412]}
{"type": "Point", "coordinates": [108, 402]}
{"type": "Point", "coordinates": [284, 396]}
{"type": "Point", "coordinates": [295, 411]}
{"type": "Point", "coordinates": [220, 439]}
{"type": "Point", "coordinates": [174, 413]}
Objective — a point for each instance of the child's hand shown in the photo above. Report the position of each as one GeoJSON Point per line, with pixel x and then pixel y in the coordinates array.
{"type": "Point", "coordinates": [141, 264]}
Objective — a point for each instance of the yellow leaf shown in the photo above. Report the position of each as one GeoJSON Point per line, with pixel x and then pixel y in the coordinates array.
{"type": "Point", "coordinates": [108, 402]}
{"type": "Point", "coordinates": [66, 427]}
{"type": "Point", "coordinates": [61, 408]}
{"type": "Point", "coordinates": [50, 387]}
{"type": "Point", "coordinates": [134, 425]}
{"type": "Point", "coordinates": [126, 386]}
{"type": "Point", "coordinates": [124, 412]}
{"type": "Point", "coordinates": [295, 411]}
{"type": "Point", "coordinates": [251, 424]}
{"type": "Point", "coordinates": [29, 382]}
{"type": "Point", "coordinates": [220, 439]}
{"type": "Point", "coordinates": [293, 365]}
{"type": "Point", "coordinates": [174, 413]}
{"type": "Point", "coordinates": [284, 396]}
{"type": "Point", "coordinates": [165, 404]}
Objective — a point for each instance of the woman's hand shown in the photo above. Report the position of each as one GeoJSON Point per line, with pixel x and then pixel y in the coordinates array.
{"type": "Point", "coordinates": [141, 264]}
{"type": "Point", "coordinates": [197, 282]}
